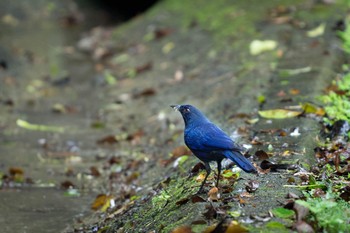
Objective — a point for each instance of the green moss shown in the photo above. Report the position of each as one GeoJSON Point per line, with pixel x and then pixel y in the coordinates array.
{"type": "Point", "coordinates": [226, 20]}
{"type": "Point", "coordinates": [164, 212]}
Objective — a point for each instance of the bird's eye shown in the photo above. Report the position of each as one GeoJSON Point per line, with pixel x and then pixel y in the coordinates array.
{"type": "Point", "coordinates": [187, 110]}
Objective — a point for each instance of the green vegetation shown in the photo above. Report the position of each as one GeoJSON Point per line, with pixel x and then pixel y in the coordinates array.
{"type": "Point", "coordinates": [330, 214]}
{"type": "Point", "coordinates": [337, 101]}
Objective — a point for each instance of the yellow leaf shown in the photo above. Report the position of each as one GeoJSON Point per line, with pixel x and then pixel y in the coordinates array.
{"type": "Point", "coordinates": [30, 126]}
{"type": "Point", "coordinates": [318, 31]}
{"type": "Point", "coordinates": [260, 46]}
{"type": "Point", "coordinates": [278, 113]}
{"type": "Point", "coordinates": [235, 227]}
{"type": "Point", "coordinates": [102, 202]}
{"type": "Point", "coordinates": [200, 177]}
{"type": "Point", "coordinates": [311, 108]}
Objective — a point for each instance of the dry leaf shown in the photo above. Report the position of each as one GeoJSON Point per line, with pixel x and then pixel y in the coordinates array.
{"type": "Point", "coordinates": [279, 113]}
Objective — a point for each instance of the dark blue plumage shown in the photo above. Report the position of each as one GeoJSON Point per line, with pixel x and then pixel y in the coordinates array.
{"type": "Point", "coordinates": [209, 143]}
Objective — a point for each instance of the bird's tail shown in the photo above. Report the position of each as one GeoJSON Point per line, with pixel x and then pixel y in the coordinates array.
{"type": "Point", "coordinates": [240, 160]}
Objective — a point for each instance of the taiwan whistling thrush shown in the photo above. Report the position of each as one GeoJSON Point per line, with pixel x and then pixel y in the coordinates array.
{"type": "Point", "coordinates": [209, 143]}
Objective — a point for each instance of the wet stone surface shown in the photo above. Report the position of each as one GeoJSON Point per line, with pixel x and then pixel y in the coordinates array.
{"type": "Point", "coordinates": [110, 90]}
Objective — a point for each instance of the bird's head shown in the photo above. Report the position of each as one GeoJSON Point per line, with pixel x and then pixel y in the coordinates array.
{"type": "Point", "coordinates": [190, 114]}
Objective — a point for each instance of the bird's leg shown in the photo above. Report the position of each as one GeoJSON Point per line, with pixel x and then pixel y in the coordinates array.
{"type": "Point", "coordinates": [208, 169]}
{"type": "Point", "coordinates": [219, 171]}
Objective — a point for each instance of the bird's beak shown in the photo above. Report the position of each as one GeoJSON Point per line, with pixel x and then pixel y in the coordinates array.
{"type": "Point", "coordinates": [175, 107]}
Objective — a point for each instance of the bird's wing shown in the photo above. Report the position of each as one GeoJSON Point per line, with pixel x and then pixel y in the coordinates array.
{"type": "Point", "coordinates": [209, 137]}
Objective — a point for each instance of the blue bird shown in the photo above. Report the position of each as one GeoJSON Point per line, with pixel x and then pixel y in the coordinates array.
{"type": "Point", "coordinates": [209, 143]}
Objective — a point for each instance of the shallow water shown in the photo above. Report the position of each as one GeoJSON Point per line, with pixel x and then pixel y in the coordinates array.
{"type": "Point", "coordinates": [35, 40]}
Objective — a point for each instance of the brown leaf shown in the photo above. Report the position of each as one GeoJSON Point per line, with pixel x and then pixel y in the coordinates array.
{"type": "Point", "coordinates": [67, 184]}
{"type": "Point", "coordinates": [110, 139]}
{"type": "Point", "coordinates": [199, 166]}
{"type": "Point", "coordinates": [182, 201]}
{"type": "Point", "coordinates": [135, 138]}
{"type": "Point", "coordinates": [180, 151]}
{"type": "Point", "coordinates": [94, 171]}
{"type": "Point", "coordinates": [16, 171]}
{"type": "Point", "coordinates": [196, 199]}
{"type": "Point", "coordinates": [145, 93]}
{"type": "Point", "coordinates": [114, 160]}
{"type": "Point", "coordinates": [282, 133]}
{"type": "Point", "coordinates": [99, 201]}
{"type": "Point", "coordinates": [163, 32]}
{"type": "Point", "coordinates": [145, 67]}
{"type": "Point", "coordinates": [182, 229]}
{"type": "Point", "coordinates": [262, 155]}
{"type": "Point", "coordinates": [213, 194]}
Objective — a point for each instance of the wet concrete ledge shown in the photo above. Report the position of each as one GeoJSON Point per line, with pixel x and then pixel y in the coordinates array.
{"type": "Point", "coordinates": [223, 79]}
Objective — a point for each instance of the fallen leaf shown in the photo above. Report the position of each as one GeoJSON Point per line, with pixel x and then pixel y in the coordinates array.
{"type": "Point", "coordinates": [228, 174]}
{"type": "Point", "coordinates": [135, 138]}
{"type": "Point", "coordinates": [278, 113]}
{"type": "Point", "coordinates": [182, 229]}
{"type": "Point", "coordinates": [199, 166]}
{"type": "Point", "coordinates": [281, 212]}
{"type": "Point", "coordinates": [109, 78]}
{"type": "Point", "coordinates": [145, 67]}
{"type": "Point", "coordinates": [167, 48]}
{"type": "Point", "coordinates": [260, 46]}
{"type": "Point", "coordinates": [145, 93]}
{"type": "Point", "coordinates": [182, 201]}
{"type": "Point", "coordinates": [286, 153]}
{"type": "Point", "coordinates": [310, 108]}
{"type": "Point", "coordinates": [213, 194]}
{"type": "Point", "coordinates": [235, 227]}
{"type": "Point", "coordinates": [262, 155]}
{"type": "Point", "coordinates": [110, 139]}
{"type": "Point", "coordinates": [200, 177]}
{"type": "Point", "coordinates": [180, 151]}
{"type": "Point", "coordinates": [196, 199]}
{"type": "Point", "coordinates": [29, 126]}
{"type": "Point", "coordinates": [252, 121]}
{"type": "Point", "coordinates": [101, 201]}
{"type": "Point", "coordinates": [94, 171]}
{"type": "Point", "coordinates": [251, 186]}
{"type": "Point", "coordinates": [284, 73]}
{"type": "Point", "coordinates": [318, 31]}
{"type": "Point", "coordinates": [294, 91]}
{"type": "Point", "coordinates": [67, 184]}
{"type": "Point", "coordinates": [163, 32]}
{"type": "Point", "coordinates": [16, 171]}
